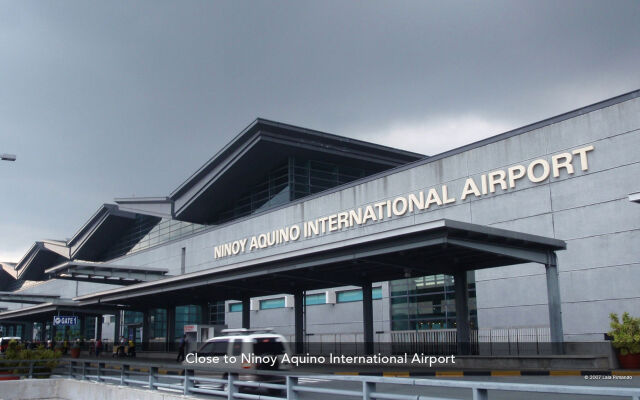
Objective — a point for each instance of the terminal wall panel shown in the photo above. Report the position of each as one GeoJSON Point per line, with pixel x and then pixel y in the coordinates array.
{"type": "Point", "coordinates": [514, 317]}
{"type": "Point", "coordinates": [599, 284]}
{"type": "Point", "coordinates": [521, 291]}
{"type": "Point", "coordinates": [601, 251]}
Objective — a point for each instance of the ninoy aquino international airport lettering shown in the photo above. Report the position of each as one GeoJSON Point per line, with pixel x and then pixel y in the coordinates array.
{"type": "Point", "coordinates": [536, 171]}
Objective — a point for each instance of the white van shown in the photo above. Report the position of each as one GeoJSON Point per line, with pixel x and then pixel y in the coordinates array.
{"type": "Point", "coordinates": [251, 349]}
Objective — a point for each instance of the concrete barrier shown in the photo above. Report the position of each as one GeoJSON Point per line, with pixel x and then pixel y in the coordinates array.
{"type": "Point", "coordinates": [69, 389]}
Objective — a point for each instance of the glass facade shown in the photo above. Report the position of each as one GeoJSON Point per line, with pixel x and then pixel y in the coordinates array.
{"type": "Point", "coordinates": [147, 232]}
{"type": "Point", "coordinates": [294, 179]}
{"type": "Point", "coordinates": [158, 324]}
{"type": "Point", "coordinates": [216, 313]}
{"type": "Point", "coordinates": [312, 176]}
{"type": "Point", "coordinates": [186, 315]}
{"type": "Point", "coordinates": [235, 307]}
{"type": "Point", "coordinates": [428, 302]}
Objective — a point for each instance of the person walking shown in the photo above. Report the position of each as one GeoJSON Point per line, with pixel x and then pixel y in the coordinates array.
{"type": "Point", "coordinates": [181, 349]}
{"type": "Point", "coordinates": [98, 347]}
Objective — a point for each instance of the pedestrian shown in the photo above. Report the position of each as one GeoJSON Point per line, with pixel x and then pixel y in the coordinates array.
{"type": "Point", "coordinates": [121, 345]}
{"type": "Point", "coordinates": [181, 349]}
{"type": "Point", "coordinates": [98, 347]}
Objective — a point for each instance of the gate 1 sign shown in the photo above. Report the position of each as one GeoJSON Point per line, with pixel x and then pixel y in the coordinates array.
{"type": "Point", "coordinates": [62, 320]}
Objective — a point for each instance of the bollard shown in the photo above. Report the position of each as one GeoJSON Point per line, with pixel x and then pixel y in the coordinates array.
{"type": "Point", "coordinates": [367, 389]}
{"type": "Point", "coordinates": [291, 382]}
{"type": "Point", "coordinates": [153, 378]}
{"type": "Point", "coordinates": [188, 383]}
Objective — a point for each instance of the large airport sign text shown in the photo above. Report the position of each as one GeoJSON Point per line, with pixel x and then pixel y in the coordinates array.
{"type": "Point", "coordinates": [537, 171]}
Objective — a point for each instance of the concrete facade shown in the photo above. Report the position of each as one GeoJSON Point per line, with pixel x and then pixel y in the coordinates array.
{"type": "Point", "coordinates": [589, 209]}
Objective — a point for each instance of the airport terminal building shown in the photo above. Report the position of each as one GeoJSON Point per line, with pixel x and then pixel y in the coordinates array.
{"type": "Point", "coordinates": [533, 231]}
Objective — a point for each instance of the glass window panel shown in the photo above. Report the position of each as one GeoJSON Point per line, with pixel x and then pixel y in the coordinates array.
{"type": "Point", "coordinates": [349, 295]}
{"type": "Point", "coordinates": [272, 303]}
{"type": "Point", "coordinates": [314, 299]}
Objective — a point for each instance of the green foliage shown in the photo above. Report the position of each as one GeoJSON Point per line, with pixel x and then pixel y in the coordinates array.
{"type": "Point", "coordinates": [626, 334]}
{"type": "Point", "coordinates": [48, 359]}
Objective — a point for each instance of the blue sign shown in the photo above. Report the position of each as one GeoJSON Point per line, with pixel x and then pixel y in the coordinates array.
{"type": "Point", "coordinates": [62, 320]}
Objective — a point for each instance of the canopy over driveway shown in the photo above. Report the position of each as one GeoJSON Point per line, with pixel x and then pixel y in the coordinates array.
{"type": "Point", "coordinates": [438, 247]}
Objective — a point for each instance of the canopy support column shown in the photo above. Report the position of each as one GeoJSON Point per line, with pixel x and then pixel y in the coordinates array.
{"type": "Point", "coordinates": [553, 300]}
{"type": "Point", "coordinates": [463, 331]}
{"type": "Point", "coordinates": [171, 327]}
{"type": "Point", "coordinates": [367, 316]}
{"type": "Point", "coordinates": [246, 312]}
{"type": "Point", "coordinates": [98, 327]}
{"type": "Point", "coordinates": [146, 324]}
{"type": "Point", "coordinates": [116, 327]}
{"type": "Point", "coordinates": [298, 318]}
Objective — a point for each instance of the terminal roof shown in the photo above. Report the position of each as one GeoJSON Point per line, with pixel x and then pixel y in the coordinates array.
{"type": "Point", "coordinates": [240, 165]}
{"type": "Point", "coordinates": [97, 235]}
{"type": "Point", "coordinates": [41, 255]}
{"type": "Point", "coordinates": [24, 298]}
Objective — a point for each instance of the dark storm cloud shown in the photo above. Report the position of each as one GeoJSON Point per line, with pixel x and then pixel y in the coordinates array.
{"type": "Point", "coordinates": [110, 99]}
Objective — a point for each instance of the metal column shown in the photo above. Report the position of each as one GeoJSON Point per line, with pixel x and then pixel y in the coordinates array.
{"type": "Point", "coordinates": [146, 323]}
{"type": "Point", "coordinates": [171, 328]}
{"type": "Point", "coordinates": [116, 328]}
{"type": "Point", "coordinates": [298, 320]}
{"type": "Point", "coordinates": [553, 300]}
{"type": "Point", "coordinates": [98, 327]}
{"type": "Point", "coordinates": [367, 316]}
{"type": "Point", "coordinates": [83, 325]}
{"type": "Point", "coordinates": [246, 313]}
{"type": "Point", "coordinates": [463, 331]}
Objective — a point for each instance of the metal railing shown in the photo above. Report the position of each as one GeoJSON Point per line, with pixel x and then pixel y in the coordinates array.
{"type": "Point", "coordinates": [16, 369]}
{"type": "Point", "coordinates": [287, 385]}
{"type": "Point", "coordinates": [484, 341]}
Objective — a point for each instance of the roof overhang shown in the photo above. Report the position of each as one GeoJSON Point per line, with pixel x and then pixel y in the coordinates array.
{"type": "Point", "coordinates": [17, 297]}
{"type": "Point", "coordinates": [105, 273]}
{"type": "Point", "coordinates": [47, 310]}
{"type": "Point", "coordinates": [241, 164]}
{"type": "Point", "coordinates": [635, 197]}
{"type": "Point", "coordinates": [41, 255]}
{"type": "Point", "coordinates": [97, 235]}
{"type": "Point", "coordinates": [7, 274]}
{"type": "Point", "coordinates": [442, 246]}
{"type": "Point", "coordinates": [156, 206]}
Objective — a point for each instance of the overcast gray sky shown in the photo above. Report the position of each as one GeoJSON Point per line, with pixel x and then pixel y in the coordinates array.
{"type": "Point", "coordinates": [104, 99]}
